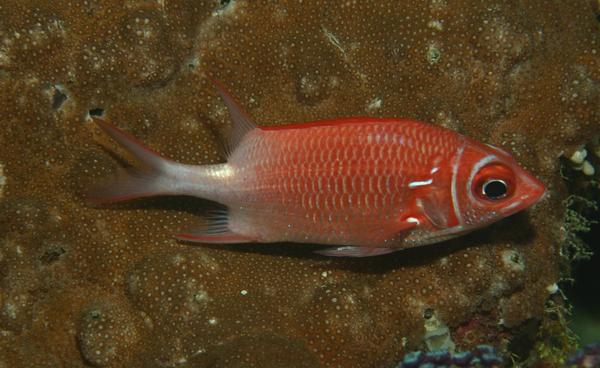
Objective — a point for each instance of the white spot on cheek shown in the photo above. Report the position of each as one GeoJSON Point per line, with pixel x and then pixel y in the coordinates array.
{"type": "Point", "coordinates": [413, 220]}
{"type": "Point", "coordinates": [416, 184]}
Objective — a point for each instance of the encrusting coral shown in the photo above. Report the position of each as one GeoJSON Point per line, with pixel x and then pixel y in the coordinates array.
{"type": "Point", "coordinates": [110, 287]}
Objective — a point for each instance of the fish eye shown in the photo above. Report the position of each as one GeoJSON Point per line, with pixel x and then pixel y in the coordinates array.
{"type": "Point", "coordinates": [494, 182]}
{"type": "Point", "coordinates": [494, 189]}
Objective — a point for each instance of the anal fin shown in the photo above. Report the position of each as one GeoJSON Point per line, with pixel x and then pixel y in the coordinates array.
{"type": "Point", "coordinates": [348, 251]}
{"type": "Point", "coordinates": [215, 230]}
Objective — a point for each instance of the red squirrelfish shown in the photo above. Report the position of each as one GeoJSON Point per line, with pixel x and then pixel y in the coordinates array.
{"type": "Point", "coordinates": [368, 186]}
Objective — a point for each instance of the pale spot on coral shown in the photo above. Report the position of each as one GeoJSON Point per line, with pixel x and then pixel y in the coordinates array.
{"type": "Point", "coordinates": [553, 288]}
{"type": "Point", "coordinates": [435, 24]}
{"type": "Point", "coordinates": [4, 57]}
{"type": "Point", "coordinates": [10, 310]}
{"type": "Point", "coordinates": [333, 39]}
{"type": "Point", "coordinates": [201, 296]}
{"type": "Point", "coordinates": [578, 156]}
{"type": "Point", "coordinates": [437, 334]}
{"type": "Point", "coordinates": [2, 180]}
{"type": "Point", "coordinates": [375, 104]}
{"type": "Point", "coordinates": [433, 53]}
{"type": "Point", "coordinates": [513, 260]}
{"type": "Point", "coordinates": [228, 9]}
{"type": "Point", "coordinates": [178, 259]}
{"type": "Point", "coordinates": [587, 168]}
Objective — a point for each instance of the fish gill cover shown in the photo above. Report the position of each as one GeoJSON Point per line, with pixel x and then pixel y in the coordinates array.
{"type": "Point", "coordinates": [111, 288]}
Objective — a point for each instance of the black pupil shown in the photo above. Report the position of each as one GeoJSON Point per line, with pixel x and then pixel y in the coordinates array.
{"type": "Point", "coordinates": [494, 189]}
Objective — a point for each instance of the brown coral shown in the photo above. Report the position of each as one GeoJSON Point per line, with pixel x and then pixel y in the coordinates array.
{"type": "Point", "coordinates": [110, 287]}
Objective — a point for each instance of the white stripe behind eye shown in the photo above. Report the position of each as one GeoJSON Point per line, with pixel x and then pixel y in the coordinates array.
{"type": "Point", "coordinates": [455, 165]}
{"type": "Point", "coordinates": [481, 163]}
{"type": "Point", "coordinates": [498, 149]}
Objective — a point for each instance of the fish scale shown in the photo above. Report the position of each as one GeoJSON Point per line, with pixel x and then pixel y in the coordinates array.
{"type": "Point", "coordinates": [368, 186]}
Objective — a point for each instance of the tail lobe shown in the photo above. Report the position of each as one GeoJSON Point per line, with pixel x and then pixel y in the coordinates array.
{"type": "Point", "coordinates": [153, 179]}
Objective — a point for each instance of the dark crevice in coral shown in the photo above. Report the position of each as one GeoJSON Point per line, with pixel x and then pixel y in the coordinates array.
{"type": "Point", "coordinates": [95, 314]}
{"type": "Point", "coordinates": [192, 63]}
{"type": "Point", "coordinates": [428, 313]}
{"type": "Point", "coordinates": [96, 112]}
{"type": "Point", "coordinates": [580, 249]}
{"type": "Point", "coordinates": [585, 292]}
{"type": "Point", "coordinates": [223, 4]}
{"type": "Point", "coordinates": [52, 254]}
{"type": "Point", "coordinates": [596, 9]}
{"type": "Point", "coordinates": [58, 98]}
{"type": "Point", "coordinates": [524, 339]}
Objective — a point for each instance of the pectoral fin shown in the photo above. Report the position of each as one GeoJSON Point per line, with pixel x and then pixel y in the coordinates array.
{"type": "Point", "coordinates": [434, 210]}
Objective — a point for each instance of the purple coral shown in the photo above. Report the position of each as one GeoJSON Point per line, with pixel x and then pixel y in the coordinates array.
{"type": "Point", "coordinates": [586, 357]}
{"type": "Point", "coordinates": [481, 356]}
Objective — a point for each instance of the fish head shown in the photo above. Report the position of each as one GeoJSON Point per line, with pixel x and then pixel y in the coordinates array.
{"type": "Point", "coordinates": [490, 185]}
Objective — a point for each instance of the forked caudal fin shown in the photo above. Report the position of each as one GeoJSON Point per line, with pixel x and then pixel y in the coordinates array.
{"type": "Point", "coordinates": [155, 178]}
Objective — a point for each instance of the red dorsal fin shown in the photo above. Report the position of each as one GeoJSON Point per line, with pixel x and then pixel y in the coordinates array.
{"type": "Point", "coordinates": [334, 122]}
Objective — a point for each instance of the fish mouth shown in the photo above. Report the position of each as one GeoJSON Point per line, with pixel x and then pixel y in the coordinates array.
{"type": "Point", "coordinates": [534, 191]}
